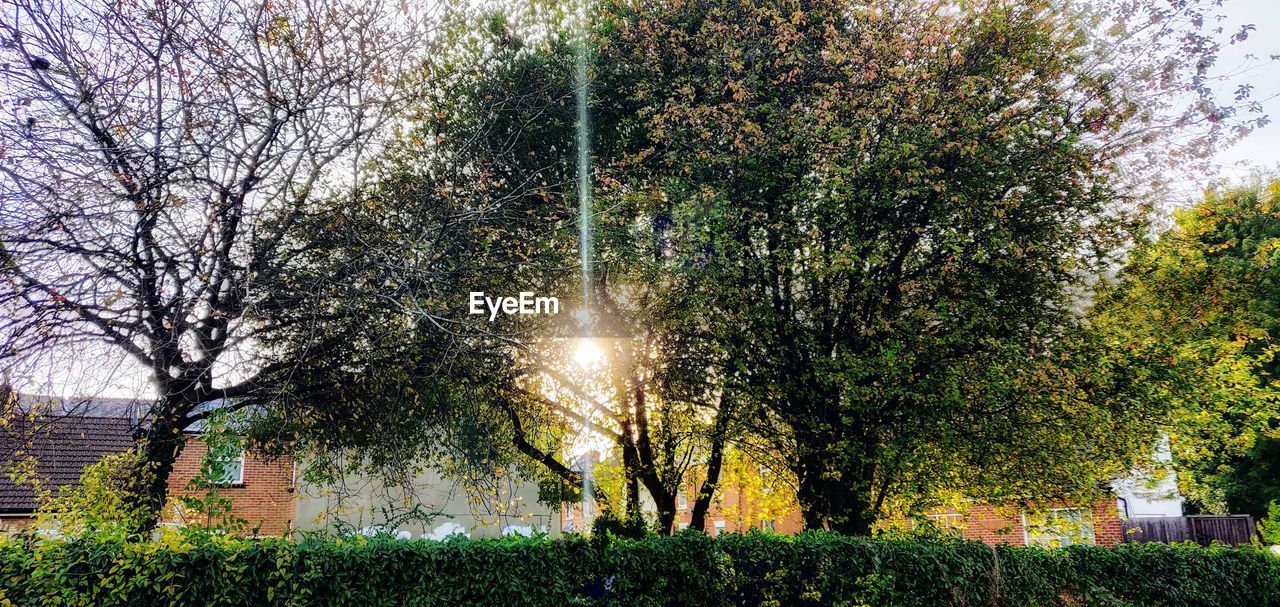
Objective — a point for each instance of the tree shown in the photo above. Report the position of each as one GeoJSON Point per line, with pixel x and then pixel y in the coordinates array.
{"type": "Point", "coordinates": [885, 216]}
{"type": "Point", "coordinates": [1204, 298]}
{"type": "Point", "coordinates": [102, 502]}
{"type": "Point", "coordinates": [468, 198]}
{"type": "Point", "coordinates": [476, 197]}
{"type": "Point", "coordinates": [161, 157]}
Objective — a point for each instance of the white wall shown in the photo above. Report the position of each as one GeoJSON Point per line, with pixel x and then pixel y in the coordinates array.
{"type": "Point", "coordinates": [363, 503]}
{"type": "Point", "coordinates": [1145, 493]}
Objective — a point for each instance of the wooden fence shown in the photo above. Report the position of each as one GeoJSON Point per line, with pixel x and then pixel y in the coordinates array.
{"type": "Point", "coordinates": [1236, 529]}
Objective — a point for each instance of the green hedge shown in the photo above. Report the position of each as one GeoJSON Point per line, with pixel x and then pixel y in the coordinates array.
{"type": "Point", "coordinates": [689, 569]}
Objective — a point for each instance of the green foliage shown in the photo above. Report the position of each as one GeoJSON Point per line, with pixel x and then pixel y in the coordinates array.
{"type": "Point", "coordinates": [863, 227]}
{"type": "Point", "coordinates": [688, 569]}
{"type": "Point", "coordinates": [470, 197]}
{"type": "Point", "coordinates": [1269, 527]}
{"type": "Point", "coordinates": [883, 218]}
{"type": "Point", "coordinates": [610, 524]}
{"type": "Point", "coordinates": [102, 503]}
{"type": "Point", "coordinates": [1202, 305]}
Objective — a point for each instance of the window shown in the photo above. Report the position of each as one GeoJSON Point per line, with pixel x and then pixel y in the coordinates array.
{"type": "Point", "coordinates": [228, 471]}
{"type": "Point", "coordinates": [768, 525]}
{"type": "Point", "coordinates": [949, 523]}
{"type": "Point", "coordinates": [682, 502]}
{"type": "Point", "coordinates": [1059, 527]}
{"type": "Point", "coordinates": [719, 527]}
{"type": "Point", "coordinates": [947, 520]}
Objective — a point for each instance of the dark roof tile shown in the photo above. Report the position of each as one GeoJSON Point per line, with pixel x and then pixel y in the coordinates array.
{"type": "Point", "coordinates": [62, 447]}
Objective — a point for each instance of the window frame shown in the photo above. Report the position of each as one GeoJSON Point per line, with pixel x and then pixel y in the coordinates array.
{"type": "Point", "coordinates": [1088, 536]}
{"type": "Point", "coordinates": [238, 481]}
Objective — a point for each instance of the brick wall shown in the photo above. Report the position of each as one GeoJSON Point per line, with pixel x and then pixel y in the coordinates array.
{"type": "Point", "coordinates": [266, 499]}
{"type": "Point", "coordinates": [990, 524]}
{"type": "Point", "coordinates": [1107, 525]}
{"type": "Point", "coordinates": [1005, 524]}
{"type": "Point", "coordinates": [738, 514]}
{"type": "Point", "coordinates": [15, 523]}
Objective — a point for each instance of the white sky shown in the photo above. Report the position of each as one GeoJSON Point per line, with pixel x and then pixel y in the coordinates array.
{"type": "Point", "coordinates": [1261, 149]}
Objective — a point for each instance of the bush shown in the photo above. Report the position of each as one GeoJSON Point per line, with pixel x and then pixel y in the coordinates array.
{"type": "Point", "coordinates": [688, 569]}
{"type": "Point", "coordinates": [1269, 527]}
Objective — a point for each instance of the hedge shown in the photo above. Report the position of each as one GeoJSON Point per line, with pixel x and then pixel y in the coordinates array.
{"type": "Point", "coordinates": [689, 569]}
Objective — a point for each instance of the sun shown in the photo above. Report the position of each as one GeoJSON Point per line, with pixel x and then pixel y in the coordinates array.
{"type": "Point", "coordinates": [587, 354]}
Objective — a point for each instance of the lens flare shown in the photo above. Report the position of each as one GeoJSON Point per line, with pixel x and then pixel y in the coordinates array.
{"type": "Point", "coordinates": [587, 354]}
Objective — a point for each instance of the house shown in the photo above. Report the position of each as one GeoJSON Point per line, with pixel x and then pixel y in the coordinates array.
{"type": "Point", "coordinates": [735, 510]}
{"type": "Point", "coordinates": [754, 498]}
{"type": "Point", "coordinates": [428, 505]}
{"type": "Point", "coordinates": [262, 492]}
{"type": "Point", "coordinates": [1151, 494]}
{"type": "Point", "coordinates": [62, 449]}
{"type": "Point", "coordinates": [62, 437]}
{"type": "Point", "coordinates": [1049, 525]}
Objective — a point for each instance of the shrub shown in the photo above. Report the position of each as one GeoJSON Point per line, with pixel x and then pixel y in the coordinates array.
{"type": "Point", "coordinates": [103, 501]}
{"type": "Point", "coordinates": [1269, 527]}
{"type": "Point", "coordinates": [688, 569]}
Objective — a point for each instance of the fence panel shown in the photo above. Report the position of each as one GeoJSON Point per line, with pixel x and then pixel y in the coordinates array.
{"type": "Point", "coordinates": [1235, 530]}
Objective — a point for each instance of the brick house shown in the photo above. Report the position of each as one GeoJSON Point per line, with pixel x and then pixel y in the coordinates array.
{"type": "Point", "coordinates": [262, 492]}
{"type": "Point", "coordinates": [738, 508]}
{"type": "Point", "coordinates": [1051, 526]}
{"type": "Point", "coordinates": [1055, 525]}
{"type": "Point", "coordinates": [733, 512]}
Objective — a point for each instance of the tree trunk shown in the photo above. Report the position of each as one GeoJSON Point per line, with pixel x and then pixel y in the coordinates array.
{"type": "Point", "coordinates": [834, 499]}
{"type": "Point", "coordinates": [630, 469]}
{"type": "Point", "coordinates": [161, 445]}
{"type": "Point", "coordinates": [698, 518]}
{"type": "Point", "coordinates": [666, 514]}
{"type": "Point", "coordinates": [647, 470]}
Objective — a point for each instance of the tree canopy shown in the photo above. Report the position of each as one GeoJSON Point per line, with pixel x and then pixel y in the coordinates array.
{"type": "Point", "coordinates": [1203, 298]}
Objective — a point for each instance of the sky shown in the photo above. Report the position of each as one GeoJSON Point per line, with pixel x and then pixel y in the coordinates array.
{"type": "Point", "coordinates": [1261, 149]}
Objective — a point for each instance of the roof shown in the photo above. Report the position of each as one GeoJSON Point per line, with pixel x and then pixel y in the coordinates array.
{"type": "Point", "coordinates": [133, 409]}
{"type": "Point", "coordinates": [77, 406]}
{"type": "Point", "coordinates": [66, 435]}
{"type": "Point", "coordinates": [63, 446]}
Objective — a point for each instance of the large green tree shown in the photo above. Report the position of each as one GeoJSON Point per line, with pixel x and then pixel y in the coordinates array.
{"type": "Point", "coordinates": [885, 214]}
{"type": "Point", "coordinates": [1204, 299]}
{"type": "Point", "coordinates": [494, 145]}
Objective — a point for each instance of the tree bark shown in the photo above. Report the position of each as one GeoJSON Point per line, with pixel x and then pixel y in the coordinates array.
{"type": "Point", "coordinates": [666, 513]}
{"type": "Point", "coordinates": [664, 498]}
{"type": "Point", "coordinates": [835, 498]}
{"type": "Point", "coordinates": [715, 460]}
{"type": "Point", "coordinates": [162, 443]}
{"type": "Point", "coordinates": [630, 468]}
